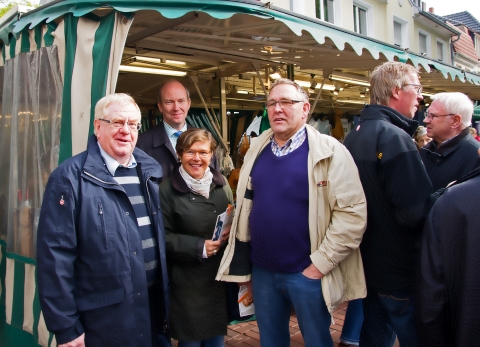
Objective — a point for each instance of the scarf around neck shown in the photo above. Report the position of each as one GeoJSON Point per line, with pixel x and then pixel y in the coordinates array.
{"type": "Point", "coordinates": [200, 186]}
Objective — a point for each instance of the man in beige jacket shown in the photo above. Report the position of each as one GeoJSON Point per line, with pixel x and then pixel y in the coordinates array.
{"type": "Point", "coordinates": [300, 217]}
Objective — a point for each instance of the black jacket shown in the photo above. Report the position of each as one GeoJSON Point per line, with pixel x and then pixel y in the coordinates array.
{"type": "Point", "coordinates": [91, 272]}
{"type": "Point", "coordinates": [155, 143]}
{"type": "Point", "coordinates": [198, 308]}
{"type": "Point", "coordinates": [398, 191]}
{"type": "Point", "coordinates": [451, 160]}
{"type": "Point", "coordinates": [449, 277]}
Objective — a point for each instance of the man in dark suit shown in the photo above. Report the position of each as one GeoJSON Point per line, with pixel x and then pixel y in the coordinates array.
{"type": "Point", "coordinates": [159, 142]}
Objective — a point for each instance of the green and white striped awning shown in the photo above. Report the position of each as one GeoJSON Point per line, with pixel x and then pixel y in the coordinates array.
{"type": "Point", "coordinates": [222, 9]}
{"type": "Point", "coordinates": [25, 325]}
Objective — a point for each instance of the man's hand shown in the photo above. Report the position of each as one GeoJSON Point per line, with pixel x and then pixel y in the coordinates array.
{"type": "Point", "coordinates": [78, 342]}
{"type": "Point", "coordinates": [312, 272]}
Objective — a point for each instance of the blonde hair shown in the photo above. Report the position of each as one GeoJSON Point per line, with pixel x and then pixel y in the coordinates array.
{"type": "Point", "coordinates": [385, 78]}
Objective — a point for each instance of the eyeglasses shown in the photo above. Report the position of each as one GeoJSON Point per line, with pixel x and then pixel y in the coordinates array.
{"type": "Point", "coordinates": [431, 116]}
{"type": "Point", "coordinates": [283, 103]}
{"type": "Point", "coordinates": [120, 123]}
{"type": "Point", "coordinates": [418, 87]}
{"type": "Point", "coordinates": [190, 153]}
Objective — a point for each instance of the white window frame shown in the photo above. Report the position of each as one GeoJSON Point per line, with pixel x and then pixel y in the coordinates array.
{"type": "Point", "coordinates": [477, 44]}
{"type": "Point", "coordinates": [444, 50]}
{"type": "Point", "coordinates": [428, 42]}
{"type": "Point", "coordinates": [335, 8]}
{"type": "Point", "coordinates": [370, 16]}
{"type": "Point", "coordinates": [404, 32]}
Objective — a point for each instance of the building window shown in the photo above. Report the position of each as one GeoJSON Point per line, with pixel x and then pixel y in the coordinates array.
{"type": "Point", "coordinates": [397, 34]}
{"type": "Point", "coordinates": [422, 43]}
{"type": "Point", "coordinates": [324, 10]}
{"type": "Point", "coordinates": [441, 54]}
{"type": "Point", "coordinates": [359, 20]}
{"type": "Point", "coordinates": [400, 32]}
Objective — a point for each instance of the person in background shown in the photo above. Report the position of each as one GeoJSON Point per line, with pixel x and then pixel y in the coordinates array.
{"type": "Point", "coordinates": [102, 275]}
{"type": "Point", "coordinates": [398, 195]}
{"type": "Point", "coordinates": [453, 151]}
{"type": "Point", "coordinates": [299, 219]}
{"type": "Point", "coordinates": [474, 134]}
{"type": "Point", "coordinates": [420, 137]}
{"type": "Point", "coordinates": [449, 276]}
{"type": "Point", "coordinates": [352, 326]}
{"type": "Point", "coordinates": [159, 142]}
{"type": "Point", "coordinates": [192, 198]}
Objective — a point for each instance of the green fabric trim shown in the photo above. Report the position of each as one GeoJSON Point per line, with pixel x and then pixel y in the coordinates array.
{"type": "Point", "coordinates": [18, 295]}
{"type": "Point", "coordinates": [36, 308]}
{"type": "Point", "coordinates": [25, 42]}
{"type": "Point", "coordinates": [101, 57]}
{"type": "Point", "coordinates": [222, 9]}
{"type": "Point", "coordinates": [38, 36]}
{"type": "Point", "coordinates": [13, 45]}
{"type": "Point", "coordinates": [71, 24]}
{"type": "Point", "coordinates": [22, 259]}
{"type": "Point", "coordinates": [3, 273]}
{"type": "Point", "coordinates": [48, 37]}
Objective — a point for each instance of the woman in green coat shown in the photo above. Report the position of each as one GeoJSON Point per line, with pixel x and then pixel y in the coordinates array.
{"type": "Point", "coordinates": [191, 199]}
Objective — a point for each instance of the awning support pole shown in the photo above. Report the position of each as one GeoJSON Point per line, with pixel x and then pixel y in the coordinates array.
{"type": "Point", "coordinates": [316, 99]}
{"type": "Point", "coordinates": [194, 79]}
{"type": "Point", "coordinates": [261, 81]}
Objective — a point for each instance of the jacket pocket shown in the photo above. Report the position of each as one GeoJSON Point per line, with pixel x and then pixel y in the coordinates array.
{"type": "Point", "coordinates": [105, 227]}
{"type": "Point", "coordinates": [99, 300]}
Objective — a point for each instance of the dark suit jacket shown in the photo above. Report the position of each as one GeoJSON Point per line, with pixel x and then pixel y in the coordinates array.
{"type": "Point", "coordinates": [155, 143]}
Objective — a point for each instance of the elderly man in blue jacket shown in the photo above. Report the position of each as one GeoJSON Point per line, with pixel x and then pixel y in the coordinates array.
{"type": "Point", "coordinates": [101, 250]}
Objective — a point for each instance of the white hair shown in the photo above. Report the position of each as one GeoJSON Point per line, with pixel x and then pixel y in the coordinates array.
{"type": "Point", "coordinates": [456, 103]}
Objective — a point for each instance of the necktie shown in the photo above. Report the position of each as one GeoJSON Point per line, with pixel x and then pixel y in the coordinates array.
{"type": "Point", "coordinates": [177, 133]}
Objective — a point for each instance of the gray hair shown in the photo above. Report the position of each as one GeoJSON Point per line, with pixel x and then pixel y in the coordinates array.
{"type": "Point", "coordinates": [168, 82]}
{"type": "Point", "coordinates": [456, 103]}
{"type": "Point", "coordinates": [301, 92]}
{"type": "Point", "coordinates": [117, 98]}
{"type": "Point", "coordinates": [385, 78]}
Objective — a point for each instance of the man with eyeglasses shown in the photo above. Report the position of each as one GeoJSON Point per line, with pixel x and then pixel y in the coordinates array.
{"type": "Point", "coordinates": [299, 219]}
{"type": "Point", "coordinates": [159, 142]}
{"type": "Point", "coordinates": [398, 193]}
{"type": "Point", "coordinates": [101, 267]}
{"type": "Point", "coordinates": [453, 151]}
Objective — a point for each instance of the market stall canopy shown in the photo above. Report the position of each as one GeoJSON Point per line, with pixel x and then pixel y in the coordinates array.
{"type": "Point", "coordinates": [219, 38]}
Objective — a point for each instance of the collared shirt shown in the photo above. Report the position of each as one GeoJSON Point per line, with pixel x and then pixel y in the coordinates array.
{"type": "Point", "coordinates": [292, 144]}
{"type": "Point", "coordinates": [112, 164]}
{"type": "Point", "coordinates": [171, 133]}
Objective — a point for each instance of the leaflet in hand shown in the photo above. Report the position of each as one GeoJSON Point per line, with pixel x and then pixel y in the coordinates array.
{"type": "Point", "coordinates": [245, 303]}
{"type": "Point", "coordinates": [223, 224]}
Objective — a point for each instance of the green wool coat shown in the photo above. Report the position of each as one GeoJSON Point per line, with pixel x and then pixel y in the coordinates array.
{"type": "Point", "coordinates": [198, 308]}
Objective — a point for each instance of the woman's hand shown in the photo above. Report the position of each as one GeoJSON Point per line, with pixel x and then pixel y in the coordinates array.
{"type": "Point", "coordinates": [212, 247]}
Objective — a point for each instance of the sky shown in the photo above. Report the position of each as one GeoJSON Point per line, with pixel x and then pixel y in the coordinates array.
{"type": "Point", "coordinates": [444, 7]}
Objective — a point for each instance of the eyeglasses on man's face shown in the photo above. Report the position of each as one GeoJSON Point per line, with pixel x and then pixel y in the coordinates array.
{"type": "Point", "coordinates": [120, 123]}
{"type": "Point", "coordinates": [284, 103]}
{"type": "Point", "coordinates": [431, 116]}
{"type": "Point", "coordinates": [190, 153]}
{"type": "Point", "coordinates": [418, 87]}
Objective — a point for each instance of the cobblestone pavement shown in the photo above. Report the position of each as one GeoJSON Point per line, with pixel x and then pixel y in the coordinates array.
{"type": "Point", "coordinates": [246, 334]}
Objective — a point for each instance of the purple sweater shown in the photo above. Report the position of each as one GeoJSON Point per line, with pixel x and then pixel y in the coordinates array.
{"type": "Point", "coordinates": [280, 239]}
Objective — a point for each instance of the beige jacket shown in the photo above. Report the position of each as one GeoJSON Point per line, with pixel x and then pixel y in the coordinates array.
{"type": "Point", "coordinates": [337, 219]}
